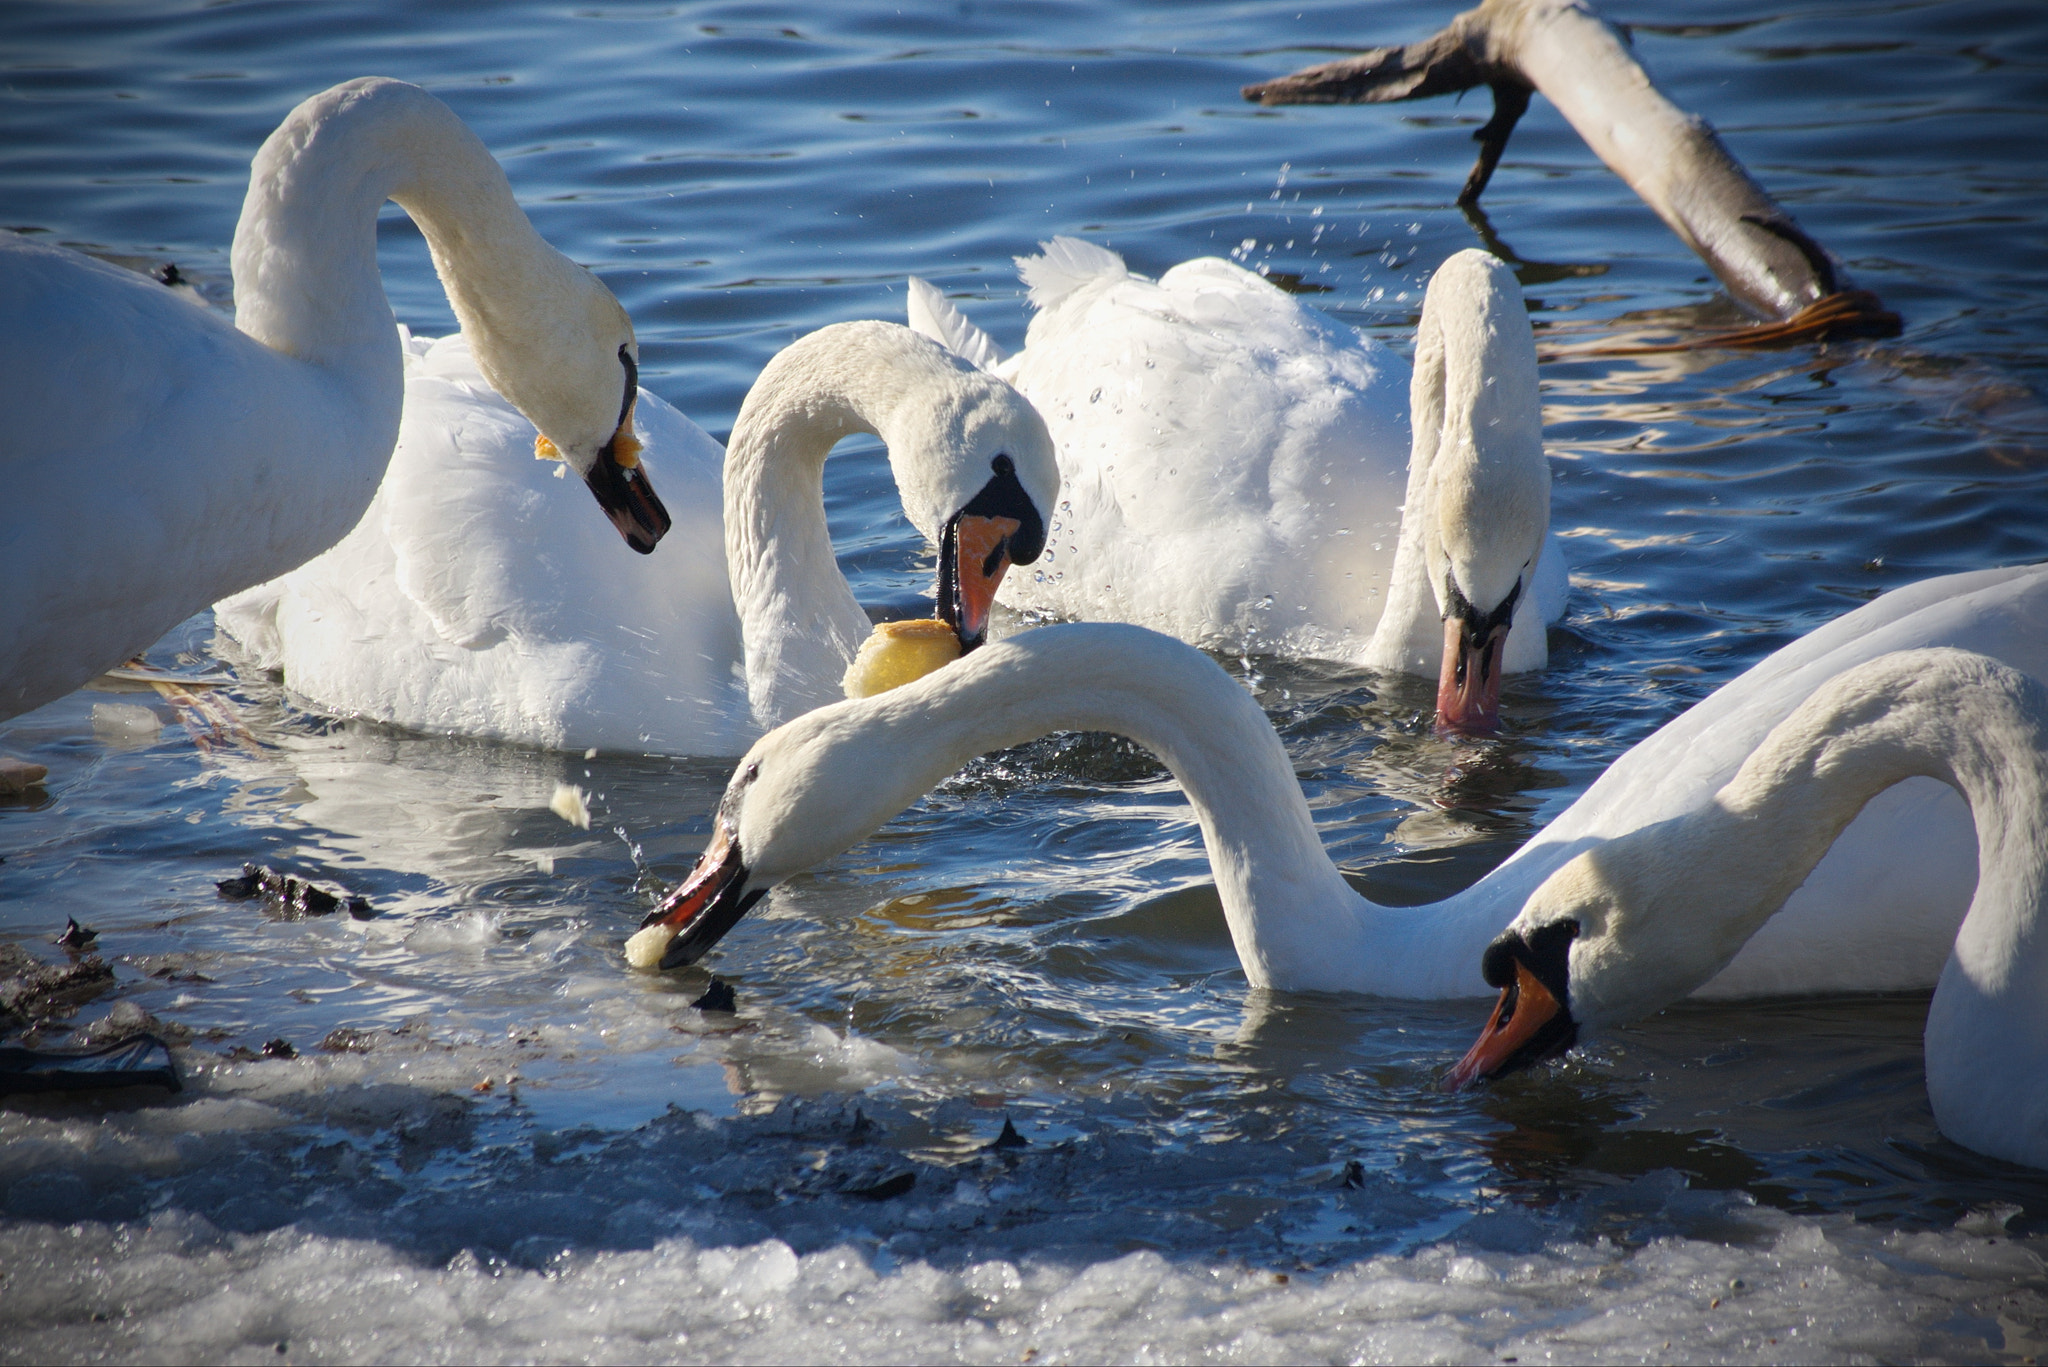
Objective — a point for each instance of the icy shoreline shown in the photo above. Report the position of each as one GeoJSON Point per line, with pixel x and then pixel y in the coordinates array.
{"type": "Point", "coordinates": [1811, 1291]}
{"type": "Point", "coordinates": [358, 1207]}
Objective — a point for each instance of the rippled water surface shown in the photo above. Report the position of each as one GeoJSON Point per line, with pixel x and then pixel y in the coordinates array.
{"type": "Point", "coordinates": [509, 1146]}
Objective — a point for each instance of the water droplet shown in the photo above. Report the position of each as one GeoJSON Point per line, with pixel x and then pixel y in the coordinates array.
{"type": "Point", "coordinates": [1096, 397]}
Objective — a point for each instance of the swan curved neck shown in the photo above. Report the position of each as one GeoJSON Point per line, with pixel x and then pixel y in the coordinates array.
{"type": "Point", "coordinates": [1478, 498]}
{"type": "Point", "coordinates": [305, 250]}
{"type": "Point", "coordinates": [798, 616]}
{"type": "Point", "coordinates": [1687, 893]}
{"type": "Point", "coordinates": [1295, 922]}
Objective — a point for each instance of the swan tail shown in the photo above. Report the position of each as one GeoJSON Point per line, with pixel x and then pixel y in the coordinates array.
{"type": "Point", "coordinates": [1065, 265]}
{"type": "Point", "coordinates": [933, 316]}
{"type": "Point", "coordinates": [249, 618]}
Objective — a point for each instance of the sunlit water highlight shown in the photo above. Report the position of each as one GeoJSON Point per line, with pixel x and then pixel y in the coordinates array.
{"type": "Point", "coordinates": [512, 1147]}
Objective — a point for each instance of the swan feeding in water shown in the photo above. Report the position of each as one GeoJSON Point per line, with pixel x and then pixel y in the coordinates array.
{"type": "Point", "coordinates": [1896, 882]}
{"type": "Point", "coordinates": [1638, 922]}
{"type": "Point", "coordinates": [469, 601]}
{"type": "Point", "coordinates": [1237, 468]}
{"type": "Point", "coordinates": [159, 458]}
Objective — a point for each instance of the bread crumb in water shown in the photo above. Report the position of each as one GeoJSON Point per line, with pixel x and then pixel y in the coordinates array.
{"type": "Point", "coordinates": [646, 947]}
{"type": "Point", "coordinates": [571, 804]}
{"type": "Point", "coordinates": [897, 653]}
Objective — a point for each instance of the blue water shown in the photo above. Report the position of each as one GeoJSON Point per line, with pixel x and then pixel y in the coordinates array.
{"type": "Point", "coordinates": [1035, 939]}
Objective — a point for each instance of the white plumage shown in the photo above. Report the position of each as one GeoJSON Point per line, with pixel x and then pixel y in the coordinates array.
{"type": "Point", "coordinates": [157, 457]}
{"type": "Point", "coordinates": [1234, 464]}
{"type": "Point", "coordinates": [471, 600]}
{"type": "Point", "coordinates": [1894, 885]}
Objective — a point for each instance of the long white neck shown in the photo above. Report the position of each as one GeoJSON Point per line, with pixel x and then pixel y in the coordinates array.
{"type": "Point", "coordinates": [1478, 500]}
{"type": "Point", "coordinates": [1684, 895]}
{"type": "Point", "coordinates": [305, 251]}
{"type": "Point", "coordinates": [797, 614]}
{"type": "Point", "coordinates": [1296, 923]}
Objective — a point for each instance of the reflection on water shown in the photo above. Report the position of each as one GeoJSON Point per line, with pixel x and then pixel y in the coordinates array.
{"type": "Point", "coordinates": [1036, 941]}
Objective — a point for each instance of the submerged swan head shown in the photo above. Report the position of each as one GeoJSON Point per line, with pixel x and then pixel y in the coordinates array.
{"type": "Point", "coordinates": [1479, 434]}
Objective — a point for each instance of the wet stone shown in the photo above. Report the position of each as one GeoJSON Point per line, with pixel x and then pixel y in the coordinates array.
{"type": "Point", "coordinates": [35, 991]}
{"type": "Point", "coordinates": [347, 1040]}
{"type": "Point", "coordinates": [718, 997]}
{"type": "Point", "coordinates": [886, 1189]}
{"type": "Point", "coordinates": [288, 898]}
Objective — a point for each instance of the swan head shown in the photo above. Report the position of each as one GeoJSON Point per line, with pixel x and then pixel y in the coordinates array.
{"type": "Point", "coordinates": [806, 791]}
{"type": "Point", "coordinates": [565, 355]}
{"type": "Point", "coordinates": [1621, 930]}
{"type": "Point", "coordinates": [1479, 424]}
{"type": "Point", "coordinates": [978, 477]}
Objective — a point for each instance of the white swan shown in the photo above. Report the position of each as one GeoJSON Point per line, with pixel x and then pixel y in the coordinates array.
{"type": "Point", "coordinates": [471, 601]}
{"type": "Point", "coordinates": [1640, 921]}
{"type": "Point", "coordinates": [1896, 883]}
{"type": "Point", "coordinates": [157, 458]}
{"type": "Point", "coordinates": [1232, 468]}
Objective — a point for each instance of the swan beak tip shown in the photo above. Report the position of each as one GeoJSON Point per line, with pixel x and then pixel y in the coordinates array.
{"type": "Point", "coordinates": [619, 481]}
{"type": "Point", "coordinates": [1528, 1023]}
{"type": "Point", "coordinates": [1468, 688]}
{"type": "Point", "coordinates": [703, 907]}
{"type": "Point", "coordinates": [981, 558]}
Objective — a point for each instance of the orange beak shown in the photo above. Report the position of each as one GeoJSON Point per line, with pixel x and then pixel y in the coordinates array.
{"type": "Point", "coordinates": [1525, 1007]}
{"type": "Point", "coordinates": [981, 556]}
{"type": "Point", "coordinates": [1468, 688]}
{"type": "Point", "coordinates": [708, 903]}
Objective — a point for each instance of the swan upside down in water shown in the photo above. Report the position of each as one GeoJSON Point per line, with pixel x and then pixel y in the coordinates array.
{"type": "Point", "coordinates": [469, 601]}
{"type": "Point", "coordinates": [1636, 923]}
{"type": "Point", "coordinates": [159, 458]}
{"type": "Point", "coordinates": [1237, 469]}
{"type": "Point", "coordinates": [1895, 882]}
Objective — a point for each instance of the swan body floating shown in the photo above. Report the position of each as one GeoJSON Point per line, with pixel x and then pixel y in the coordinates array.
{"type": "Point", "coordinates": [1237, 469]}
{"type": "Point", "coordinates": [1636, 923]}
{"type": "Point", "coordinates": [470, 601]}
{"type": "Point", "coordinates": [1895, 883]}
{"type": "Point", "coordinates": [158, 458]}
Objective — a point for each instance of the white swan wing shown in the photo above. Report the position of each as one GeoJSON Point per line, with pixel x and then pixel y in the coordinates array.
{"type": "Point", "coordinates": [1229, 459]}
{"type": "Point", "coordinates": [932, 314]}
